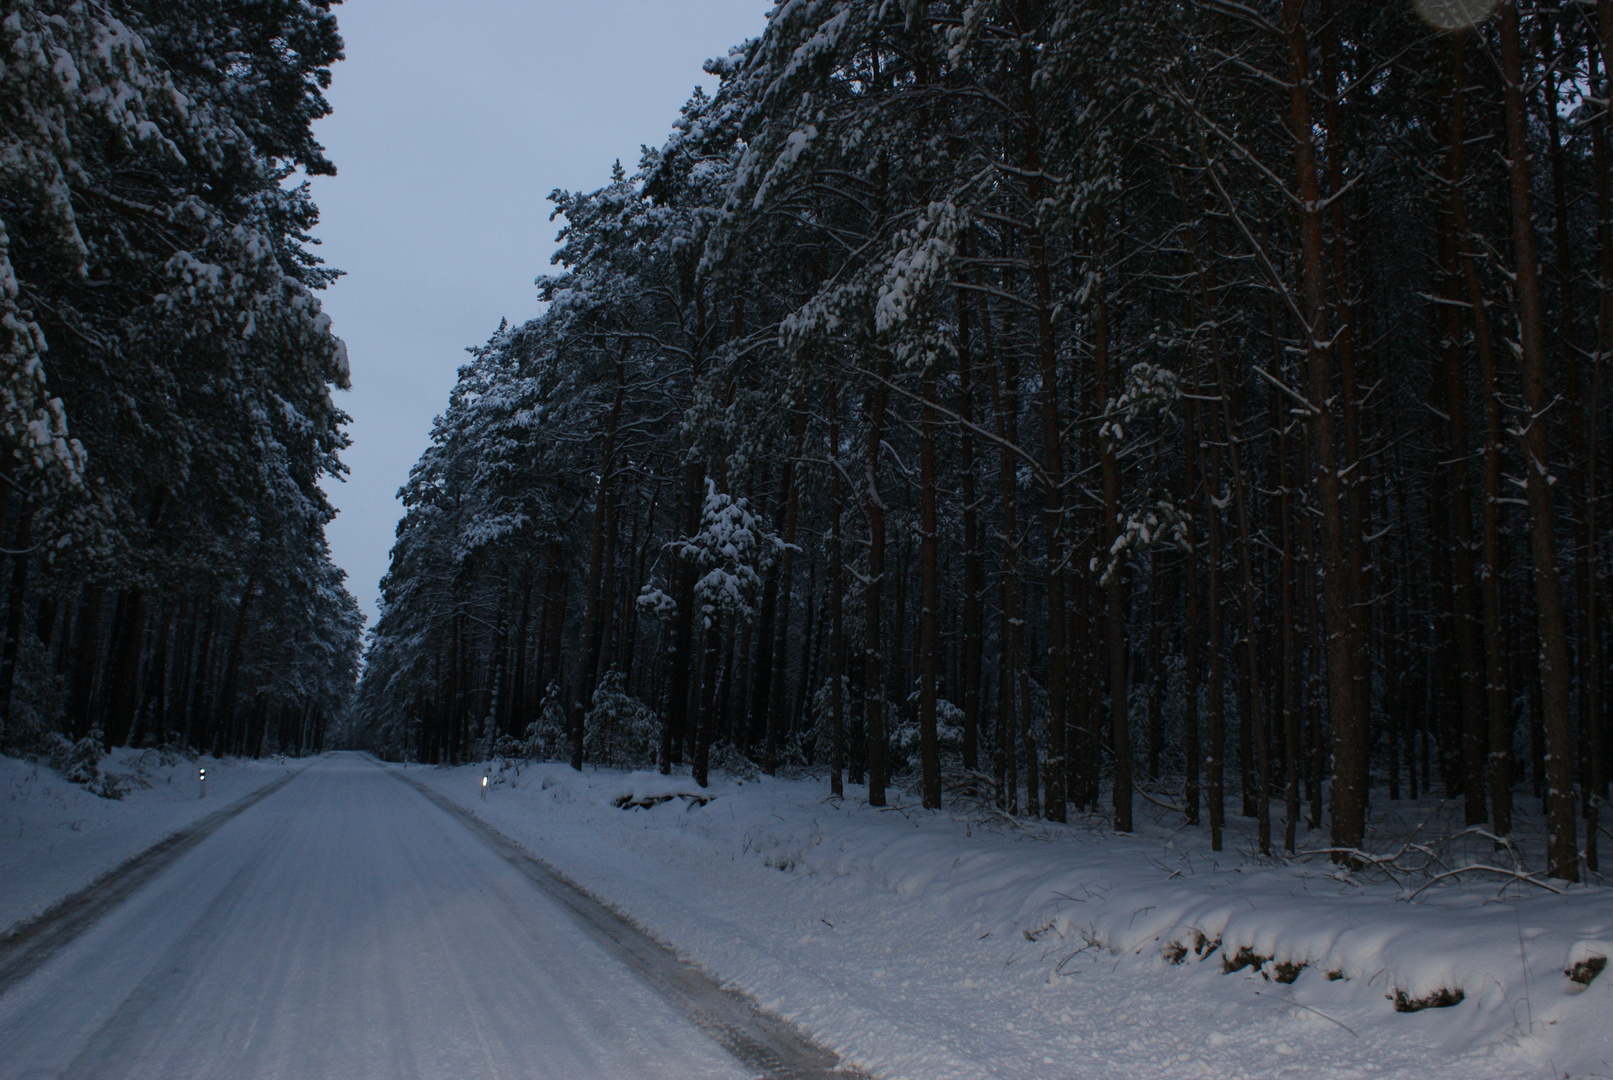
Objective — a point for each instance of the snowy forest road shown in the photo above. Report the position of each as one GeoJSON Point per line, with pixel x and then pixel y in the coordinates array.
{"type": "Point", "coordinates": [349, 926]}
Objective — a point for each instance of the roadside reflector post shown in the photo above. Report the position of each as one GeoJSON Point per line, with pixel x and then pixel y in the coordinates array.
{"type": "Point", "coordinates": [201, 780]}
{"type": "Point", "coordinates": [484, 785]}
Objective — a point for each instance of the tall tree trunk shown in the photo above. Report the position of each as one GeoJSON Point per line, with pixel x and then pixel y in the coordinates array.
{"type": "Point", "coordinates": [1013, 692]}
{"type": "Point", "coordinates": [14, 605]}
{"type": "Point", "coordinates": [553, 620]}
{"type": "Point", "coordinates": [123, 667]}
{"type": "Point", "coordinates": [1114, 587]}
{"type": "Point", "coordinates": [873, 593]}
{"type": "Point", "coordinates": [1599, 685]}
{"type": "Point", "coordinates": [1253, 697]}
{"type": "Point", "coordinates": [973, 574]}
{"type": "Point", "coordinates": [1349, 726]}
{"type": "Point", "coordinates": [705, 715]}
{"type": "Point", "coordinates": [837, 605]}
{"type": "Point", "coordinates": [1498, 706]}
{"type": "Point", "coordinates": [1576, 421]}
{"type": "Point", "coordinates": [517, 708]}
{"type": "Point", "coordinates": [196, 708]}
{"type": "Point", "coordinates": [929, 589]}
{"type": "Point", "coordinates": [1352, 473]}
{"type": "Point", "coordinates": [1215, 707]}
{"type": "Point", "coordinates": [1052, 441]}
{"type": "Point", "coordinates": [777, 716]}
{"type": "Point", "coordinates": [1156, 663]}
{"type": "Point", "coordinates": [223, 725]}
{"type": "Point", "coordinates": [592, 631]}
{"type": "Point", "coordinates": [1191, 749]}
{"type": "Point", "coordinates": [1555, 673]}
{"type": "Point", "coordinates": [676, 709]}
{"type": "Point", "coordinates": [1474, 729]}
{"type": "Point", "coordinates": [1290, 640]}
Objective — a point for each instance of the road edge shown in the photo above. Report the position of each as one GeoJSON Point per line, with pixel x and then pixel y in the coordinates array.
{"type": "Point", "coordinates": [27, 944]}
{"type": "Point", "coordinates": [755, 1036]}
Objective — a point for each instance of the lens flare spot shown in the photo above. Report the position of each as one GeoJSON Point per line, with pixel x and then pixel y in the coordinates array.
{"type": "Point", "coordinates": [1455, 14]}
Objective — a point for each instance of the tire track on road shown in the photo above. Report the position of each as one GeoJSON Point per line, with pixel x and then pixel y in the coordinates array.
{"type": "Point", "coordinates": [735, 1021]}
{"type": "Point", "coordinates": [27, 946]}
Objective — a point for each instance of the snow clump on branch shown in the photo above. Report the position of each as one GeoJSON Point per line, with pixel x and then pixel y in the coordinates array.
{"type": "Point", "coordinates": [736, 550]}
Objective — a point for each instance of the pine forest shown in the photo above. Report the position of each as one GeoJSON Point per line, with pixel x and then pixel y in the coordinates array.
{"type": "Point", "coordinates": [166, 405]}
{"type": "Point", "coordinates": [1008, 540]}
{"type": "Point", "coordinates": [1063, 404]}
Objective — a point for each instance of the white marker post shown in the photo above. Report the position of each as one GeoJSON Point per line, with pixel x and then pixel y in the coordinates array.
{"type": "Point", "coordinates": [484, 785]}
{"type": "Point", "coordinates": [201, 778]}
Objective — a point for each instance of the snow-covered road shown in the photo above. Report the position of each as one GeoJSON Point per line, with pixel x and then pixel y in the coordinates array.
{"type": "Point", "coordinates": [347, 927]}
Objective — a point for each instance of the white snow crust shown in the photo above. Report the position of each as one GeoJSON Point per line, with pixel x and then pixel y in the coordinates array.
{"type": "Point", "coordinates": [932, 945]}
{"type": "Point", "coordinates": [56, 837]}
{"type": "Point", "coordinates": [344, 928]}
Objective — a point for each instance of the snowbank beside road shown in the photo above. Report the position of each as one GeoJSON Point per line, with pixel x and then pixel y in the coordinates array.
{"type": "Point", "coordinates": [932, 945]}
{"type": "Point", "coordinates": [56, 837]}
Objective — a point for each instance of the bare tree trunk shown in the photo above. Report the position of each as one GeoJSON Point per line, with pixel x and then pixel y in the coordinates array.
{"type": "Point", "coordinates": [873, 593]}
{"type": "Point", "coordinates": [224, 725]}
{"type": "Point", "coordinates": [1352, 474]}
{"type": "Point", "coordinates": [1349, 726]}
{"type": "Point", "coordinates": [592, 630]}
{"type": "Point", "coordinates": [1577, 421]}
{"type": "Point", "coordinates": [1290, 676]}
{"type": "Point", "coordinates": [929, 600]}
{"type": "Point", "coordinates": [14, 604]}
{"type": "Point", "coordinates": [1191, 749]}
{"type": "Point", "coordinates": [776, 716]}
{"type": "Point", "coordinates": [1464, 609]}
{"type": "Point", "coordinates": [1156, 663]}
{"type": "Point", "coordinates": [837, 604]}
{"type": "Point", "coordinates": [1052, 449]}
{"type": "Point", "coordinates": [1013, 692]}
{"type": "Point", "coordinates": [516, 710]}
{"type": "Point", "coordinates": [1253, 696]}
{"type": "Point", "coordinates": [1596, 676]}
{"type": "Point", "coordinates": [1498, 706]}
{"type": "Point", "coordinates": [1215, 707]}
{"type": "Point", "coordinates": [705, 715]}
{"type": "Point", "coordinates": [201, 676]}
{"type": "Point", "coordinates": [1555, 672]}
{"type": "Point", "coordinates": [1119, 696]}
{"type": "Point", "coordinates": [973, 576]}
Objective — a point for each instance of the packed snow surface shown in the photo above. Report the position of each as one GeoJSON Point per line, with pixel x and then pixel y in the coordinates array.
{"type": "Point", "coordinates": [344, 927]}
{"type": "Point", "coordinates": [56, 837]}
{"type": "Point", "coordinates": [933, 945]}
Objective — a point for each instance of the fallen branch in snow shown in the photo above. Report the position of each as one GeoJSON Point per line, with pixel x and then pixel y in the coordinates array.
{"type": "Point", "coordinates": [1511, 875]}
{"type": "Point", "coordinates": [1323, 1015]}
{"type": "Point", "coordinates": [1431, 862]}
{"type": "Point", "coordinates": [1162, 805]}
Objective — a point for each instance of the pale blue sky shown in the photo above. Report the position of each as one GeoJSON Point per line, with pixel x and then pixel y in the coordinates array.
{"type": "Point", "coordinates": [452, 123]}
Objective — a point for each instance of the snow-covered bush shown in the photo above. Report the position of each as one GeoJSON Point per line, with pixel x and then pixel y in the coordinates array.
{"type": "Point", "coordinates": [80, 762]}
{"type": "Point", "coordinates": [817, 740]}
{"type": "Point", "coordinates": [620, 729]}
{"type": "Point", "coordinates": [733, 761]}
{"type": "Point", "coordinates": [548, 735]}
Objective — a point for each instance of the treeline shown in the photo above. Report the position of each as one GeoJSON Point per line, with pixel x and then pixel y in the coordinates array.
{"type": "Point", "coordinates": [1034, 395]}
{"type": "Point", "coordinates": [166, 410]}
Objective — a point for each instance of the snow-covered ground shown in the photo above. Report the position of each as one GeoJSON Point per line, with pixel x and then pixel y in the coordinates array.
{"type": "Point", "coordinates": [56, 837]}
{"type": "Point", "coordinates": [937, 945]}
